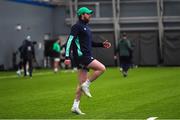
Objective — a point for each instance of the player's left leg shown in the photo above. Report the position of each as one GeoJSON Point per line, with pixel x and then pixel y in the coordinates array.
{"type": "Point", "coordinates": [98, 68]}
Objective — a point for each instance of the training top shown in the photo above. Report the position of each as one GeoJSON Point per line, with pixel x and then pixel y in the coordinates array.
{"type": "Point", "coordinates": [124, 47]}
{"type": "Point", "coordinates": [56, 47]}
{"type": "Point", "coordinates": [28, 50]}
{"type": "Point", "coordinates": [80, 40]}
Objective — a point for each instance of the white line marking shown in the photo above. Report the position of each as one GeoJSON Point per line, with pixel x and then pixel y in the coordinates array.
{"type": "Point", "coordinates": [152, 118]}
{"type": "Point", "coordinates": [16, 76]}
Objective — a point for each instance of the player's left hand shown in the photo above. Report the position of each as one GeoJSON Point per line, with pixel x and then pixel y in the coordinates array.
{"type": "Point", "coordinates": [106, 44]}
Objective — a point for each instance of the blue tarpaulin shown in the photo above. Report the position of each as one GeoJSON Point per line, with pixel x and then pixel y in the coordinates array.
{"type": "Point", "coordinates": [34, 3]}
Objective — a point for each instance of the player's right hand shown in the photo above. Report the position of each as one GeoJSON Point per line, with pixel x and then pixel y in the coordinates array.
{"type": "Point", "coordinates": [67, 62]}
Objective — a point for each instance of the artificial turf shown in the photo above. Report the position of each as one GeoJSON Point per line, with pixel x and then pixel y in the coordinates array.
{"type": "Point", "coordinates": [146, 92]}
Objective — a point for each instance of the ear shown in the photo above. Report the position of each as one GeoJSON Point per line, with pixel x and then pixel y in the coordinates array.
{"type": "Point", "coordinates": [82, 17]}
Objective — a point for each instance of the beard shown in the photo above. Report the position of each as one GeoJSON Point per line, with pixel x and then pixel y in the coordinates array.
{"type": "Point", "coordinates": [86, 20]}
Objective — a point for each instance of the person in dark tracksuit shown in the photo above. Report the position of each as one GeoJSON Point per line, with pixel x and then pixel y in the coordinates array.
{"type": "Point", "coordinates": [80, 41]}
{"type": "Point", "coordinates": [125, 54]}
{"type": "Point", "coordinates": [28, 55]}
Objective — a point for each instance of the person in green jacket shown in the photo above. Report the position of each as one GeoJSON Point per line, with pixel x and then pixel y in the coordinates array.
{"type": "Point", "coordinates": [125, 53]}
{"type": "Point", "coordinates": [56, 54]}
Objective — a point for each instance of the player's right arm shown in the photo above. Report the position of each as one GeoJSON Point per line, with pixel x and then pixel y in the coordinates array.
{"type": "Point", "coordinates": [72, 36]}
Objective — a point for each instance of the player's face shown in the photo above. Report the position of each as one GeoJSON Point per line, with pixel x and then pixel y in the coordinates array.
{"type": "Point", "coordinates": [124, 37]}
{"type": "Point", "coordinates": [86, 17]}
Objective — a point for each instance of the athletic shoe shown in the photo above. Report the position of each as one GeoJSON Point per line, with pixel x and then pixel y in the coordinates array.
{"type": "Point", "coordinates": [77, 111]}
{"type": "Point", "coordinates": [85, 89]}
{"type": "Point", "coordinates": [125, 74]}
{"type": "Point", "coordinates": [55, 70]}
{"type": "Point", "coordinates": [18, 73]}
{"type": "Point", "coordinates": [27, 73]}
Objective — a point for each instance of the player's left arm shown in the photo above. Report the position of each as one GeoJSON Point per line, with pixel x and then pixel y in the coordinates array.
{"type": "Point", "coordinates": [105, 44]}
{"type": "Point", "coordinates": [129, 45]}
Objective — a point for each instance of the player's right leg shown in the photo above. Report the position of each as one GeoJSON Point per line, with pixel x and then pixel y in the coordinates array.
{"type": "Point", "coordinates": [24, 66]}
{"type": "Point", "coordinates": [30, 67]}
{"type": "Point", "coordinates": [77, 111]}
{"type": "Point", "coordinates": [82, 74]}
{"type": "Point", "coordinates": [75, 107]}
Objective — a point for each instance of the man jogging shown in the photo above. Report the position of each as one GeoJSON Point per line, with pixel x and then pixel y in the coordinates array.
{"type": "Point", "coordinates": [80, 40]}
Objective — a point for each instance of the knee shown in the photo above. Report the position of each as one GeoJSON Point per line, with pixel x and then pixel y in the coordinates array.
{"type": "Point", "coordinates": [103, 69]}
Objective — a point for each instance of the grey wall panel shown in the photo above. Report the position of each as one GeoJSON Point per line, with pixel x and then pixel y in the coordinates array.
{"type": "Point", "coordinates": [171, 9]}
{"type": "Point", "coordinates": [59, 16]}
{"type": "Point", "coordinates": [145, 50]}
{"type": "Point", "coordinates": [35, 21]}
{"type": "Point", "coordinates": [172, 48]}
{"type": "Point", "coordinates": [137, 10]}
{"type": "Point", "coordinates": [106, 10]}
{"type": "Point", "coordinates": [148, 49]}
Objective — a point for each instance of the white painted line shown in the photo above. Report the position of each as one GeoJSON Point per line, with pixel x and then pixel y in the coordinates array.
{"type": "Point", "coordinates": [16, 76]}
{"type": "Point", "coordinates": [152, 118]}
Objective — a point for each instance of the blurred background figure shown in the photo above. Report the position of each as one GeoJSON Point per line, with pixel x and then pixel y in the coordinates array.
{"type": "Point", "coordinates": [28, 55]}
{"type": "Point", "coordinates": [20, 63]}
{"type": "Point", "coordinates": [56, 54]}
{"type": "Point", "coordinates": [125, 54]}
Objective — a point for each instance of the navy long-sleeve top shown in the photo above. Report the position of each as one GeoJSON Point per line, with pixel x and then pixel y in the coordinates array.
{"type": "Point", "coordinates": [80, 39]}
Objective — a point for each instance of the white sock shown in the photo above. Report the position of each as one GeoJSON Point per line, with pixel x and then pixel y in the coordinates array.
{"type": "Point", "coordinates": [18, 72]}
{"type": "Point", "coordinates": [55, 69]}
{"type": "Point", "coordinates": [76, 103]}
{"type": "Point", "coordinates": [88, 82]}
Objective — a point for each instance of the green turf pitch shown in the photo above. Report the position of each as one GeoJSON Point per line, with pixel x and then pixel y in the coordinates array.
{"type": "Point", "coordinates": [146, 92]}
